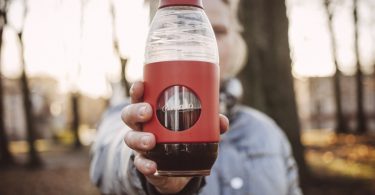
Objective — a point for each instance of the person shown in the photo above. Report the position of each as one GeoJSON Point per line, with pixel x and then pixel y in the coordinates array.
{"type": "Point", "coordinates": [255, 156]}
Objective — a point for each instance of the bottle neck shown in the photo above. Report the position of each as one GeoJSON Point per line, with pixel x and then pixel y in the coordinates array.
{"type": "Point", "coordinates": [167, 3]}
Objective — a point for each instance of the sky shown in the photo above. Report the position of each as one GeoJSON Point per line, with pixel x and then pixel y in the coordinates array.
{"type": "Point", "coordinates": [72, 40]}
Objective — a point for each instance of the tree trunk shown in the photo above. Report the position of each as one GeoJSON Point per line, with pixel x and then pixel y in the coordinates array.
{"type": "Point", "coordinates": [6, 157]}
{"type": "Point", "coordinates": [75, 120]}
{"type": "Point", "coordinates": [123, 61]}
{"type": "Point", "coordinates": [124, 82]}
{"type": "Point", "coordinates": [341, 126]}
{"type": "Point", "coordinates": [153, 8]}
{"type": "Point", "coordinates": [34, 159]}
{"type": "Point", "coordinates": [361, 117]}
{"type": "Point", "coordinates": [267, 78]}
{"type": "Point", "coordinates": [75, 94]}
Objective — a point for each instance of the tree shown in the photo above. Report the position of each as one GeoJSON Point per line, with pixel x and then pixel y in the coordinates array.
{"type": "Point", "coordinates": [267, 78]}
{"type": "Point", "coordinates": [75, 95]}
{"type": "Point", "coordinates": [34, 159]}
{"type": "Point", "coordinates": [373, 41]}
{"type": "Point", "coordinates": [153, 8]}
{"type": "Point", "coordinates": [123, 61]}
{"type": "Point", "coordinates": [124, 82]}
{"type": "Point", "coordinates": [361, 118]}
{"type": "Point", "coordinates": [6, 157]}
{"type": "Point", "coordinates": [74, 100]}
{"type": "Point", "coordinates": [341, 126]}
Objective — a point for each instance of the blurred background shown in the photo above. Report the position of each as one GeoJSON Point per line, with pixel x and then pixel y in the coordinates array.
{"type": "Point", "coordinates": [64, 62]}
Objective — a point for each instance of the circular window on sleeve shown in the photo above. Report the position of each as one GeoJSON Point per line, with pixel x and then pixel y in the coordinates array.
{"type": "Point", "coordinates": [178, 108]}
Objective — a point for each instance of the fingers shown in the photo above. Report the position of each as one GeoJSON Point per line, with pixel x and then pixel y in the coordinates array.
{"type": "Point", "coordinates": [224, 124]}
{"type": "Point", "coordinates": [168, 185]}
{"type": "Point", "coordinates": [135, 114]}
{"type": "Point", "coordinates": [145, 166]}
{"type": "Point", "coordinates": [165, 185]}
{"type": "Point", "coordinates": [136, 92]}
{"type": "Point", "coordinates": [140, 141]}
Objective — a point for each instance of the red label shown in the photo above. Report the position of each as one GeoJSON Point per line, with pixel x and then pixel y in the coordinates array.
{"type": "Point", "coordinates": [199, 81]}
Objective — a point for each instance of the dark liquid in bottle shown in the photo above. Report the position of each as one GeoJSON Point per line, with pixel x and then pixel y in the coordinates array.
{"type": "Point", "coordinates": [184, 159]}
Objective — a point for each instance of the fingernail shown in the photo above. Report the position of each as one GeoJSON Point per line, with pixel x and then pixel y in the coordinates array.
{"type": "Point", "coordinates": [148, 165]}
{"type": "Point", "coordinates": [228, 123]}
{"type": "Point", "coordinates": [142, 111]}
{"type": "Point", "coordinates": [145, 140]}
{"type": "Point", "coordinates": [131, 91]}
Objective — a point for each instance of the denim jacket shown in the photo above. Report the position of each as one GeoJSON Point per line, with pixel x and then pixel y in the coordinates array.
{"type": "Point", "coordinates": [255, 157]}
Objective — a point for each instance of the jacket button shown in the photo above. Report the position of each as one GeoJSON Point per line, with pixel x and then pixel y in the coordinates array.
{"type": "Point", "coordinates": [236, 183]}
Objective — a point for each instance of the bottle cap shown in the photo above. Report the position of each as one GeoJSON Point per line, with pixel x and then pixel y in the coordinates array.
{"type": "Point", "coordinates": [167, 3]}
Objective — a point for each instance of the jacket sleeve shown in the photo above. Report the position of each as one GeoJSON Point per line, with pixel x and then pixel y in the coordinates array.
{"type": "Point", "coordinates": [291, 168]}
{"type": "Point", "coordinates": [110, 158]}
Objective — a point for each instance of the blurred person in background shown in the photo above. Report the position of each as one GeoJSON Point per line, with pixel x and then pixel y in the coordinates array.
{"type": "Point", "coordinates": [255, 156]}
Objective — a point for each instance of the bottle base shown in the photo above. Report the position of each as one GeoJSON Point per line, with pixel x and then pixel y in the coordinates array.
{"type": "Point", "coordinates": [183, 159]}
{"type": "Point", "coordinates": [183, 173]}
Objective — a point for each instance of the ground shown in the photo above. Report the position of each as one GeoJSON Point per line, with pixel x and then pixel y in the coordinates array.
{"type": "Point", "coordinates": [340, 165]}
{"type": "Point", "coordinates": [64, 172]}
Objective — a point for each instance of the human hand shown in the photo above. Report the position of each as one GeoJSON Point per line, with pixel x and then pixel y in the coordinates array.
{"type": "Point", "coordinates": [134, 115]}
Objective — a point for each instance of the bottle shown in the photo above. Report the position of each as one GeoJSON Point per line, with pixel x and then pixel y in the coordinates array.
{"type": "Point", "coordinates": [181, 79]}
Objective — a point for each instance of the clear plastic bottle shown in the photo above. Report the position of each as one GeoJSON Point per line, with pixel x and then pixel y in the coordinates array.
{"type": "Point", "coordinates": [181, 33]}
{"type": "Point", "coordinates": [181, 77]}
